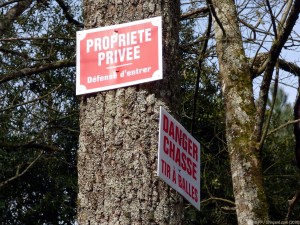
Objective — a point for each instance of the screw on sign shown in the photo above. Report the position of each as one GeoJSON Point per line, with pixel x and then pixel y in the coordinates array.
{"type": "Point", "coordinates": [119, 55]}
{"type": "Point", "coordinates": [179, 158]}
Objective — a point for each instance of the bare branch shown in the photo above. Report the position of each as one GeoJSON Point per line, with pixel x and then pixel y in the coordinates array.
{"type": "Point", "coordinates": [283, 37]}
{"type": "Point", "coordinates": [251, 27]}
{"type": "Point", "coordinates": [214, 14]}
{"type": "Point", "coordinates": [67, 129]}
{"type": "Point", "coordinates": [292, 204]}
{"type": "Point", "coordinates": [31, 144]}
{"type": "Point", "coordinates": [270, 63]}
{"type": "Point", "coordinates": [28, 102]}
{"type": "Point", "coordinates": [12, 14]}
{"type": "Point", "coordinates": [284, 15]}
{"type": "Point", "coordinates": [272, 18]}
{"type": "Point", "coordinates": [283, 64]}
{"type": "Point", "coordinates": [18, 174]}
{"type": "Point", "coordinates": [10, 2]}
{"type": "Point", "coordinates": [35, 38]}
{"type": "Point", "coordinates": [68, 15]}
{"type": "Point", "coordinates": [199, 69]}
{"type": "Point", "coordinates": [192, 14]}
{"type": "Point", "coordinates": [9, 51]}
{"type": "Point", "coordinates": [283, 126]}
{"type": "Point", "coordinates": [37, 69]}
{"type": "Point", "coordinates": [289, 67]}
{"type": "Point", "coordinates": [274, 94]}
{"type": "Point", "coordinates": [218, 199]}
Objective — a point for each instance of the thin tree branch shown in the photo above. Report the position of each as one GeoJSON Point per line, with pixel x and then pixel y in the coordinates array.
{"type": "Point", "coordinates": [262, 64]}
{"type": "Point", "coordinates": [283, 126]}
{"type": "Point", "coordinates": [251, 27]}
{"type": "Point", "coordinates": [283, 64]}
{"type": "Point", "coordinates": [214, 14]}
{"type": "Point", "coordinates": [67, 128]}
{"type": "Point", "coordinates": [274, 95]}
{"type": "Point", "coordinates": [44, 147]}
{"type": "Point", "coordinates": [18, 174]}
{"type": "Point", "coordinates": [67, 14]}
{"type": "Point", "coordinates": [199, 69]}
{"type": "Point", "coordinates": [12, 52]}
{"type": "Point", "coordinates": [218, 199]}
{"type": "Point", "coordinates": [12, 14]}
{"type": "Point", "coordinates": [272, 18]}
{"type": "Point", "coordinates": [31, 101]}
{"type": "Point", "coordinates": [9, 2]}
{"type": "Point", "coordinates": [37, 69]}
{"type": "Point", "coordinates": [270, 63]}
{"type": "Point", "coordinates": [194, 42]}
{"type": "Point", "coordinates": [284, 15]}
{"type": "Point", "coordinates": [267, 33]}
{"type": "Point", "coordinates": [289, 67]}
{"type": "Point", "coordinates": [188, 15]}
{"type": "Point", "coordinates": [284, 33]}
{"type": "Point", "coordinates": [36, 38]}
{"type": "Point", "coordinates": [292, 204]}
{"type": "Point", "coordinates": [283, 37]}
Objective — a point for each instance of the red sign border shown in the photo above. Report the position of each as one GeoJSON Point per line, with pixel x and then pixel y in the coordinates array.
{"type": "Point", "coordinates": [158, 75]}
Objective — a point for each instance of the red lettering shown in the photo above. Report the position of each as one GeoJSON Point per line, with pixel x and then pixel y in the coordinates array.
{"type": "Point", "coordinates": [180, 137]}
{"type": "Point", "coordinates": [193, 193]}
{"type": "Point", "coordinates": [177, 159]}
{"type": "Point", "coordinates": [174, 177]}
{"type": "Point", "coordinates": [165, 124]}
{"type": "Point", "coordinates": [166, 143]}
{"type": "Point", "coordinates": [195, 152]}
{"type": "Point", "coordinates": [166, 168]}
{"type": "Point", "coordinates": [180, 157]}
{"type": "Point", "coordinates": [179, 181]}
{"type": "Point", "coordinates": [172, 150]}
{"type": "Point", "coordinates": [171, 130]}
{"type": "Point", "coordinates": [189, 169]}
{"type": "Point", "coordinates": [188, 188]}
{"type": "Point", "coordinates": [178, 134]}
{"type": "Point", "coordinates": [184, 141]}
{"type": "Point", "coordinates": [183, 161]}
{"type": "Point", "coordinates": [190, 147]}
{"type": "Point", "coordinates": [194, 169]}
{"type": "Point", "coordinates": [196, 195]}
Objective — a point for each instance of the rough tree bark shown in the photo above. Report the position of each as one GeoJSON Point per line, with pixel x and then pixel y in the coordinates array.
{"type": "Point", "coordinates": [235, 76]}
{"type": "Point", "coordinates": [117, 156]}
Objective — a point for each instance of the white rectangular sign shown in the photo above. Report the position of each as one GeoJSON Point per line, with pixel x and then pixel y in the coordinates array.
{"type": "Point", "coordinates": [179, 158]}
{"type": "Point", "coordinates": [119, 55]}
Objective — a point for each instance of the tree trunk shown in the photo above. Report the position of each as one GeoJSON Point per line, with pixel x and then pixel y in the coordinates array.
{"type": "Point", "coordinates": [235, 76]}
{"type": "Point", "coordinates": [117, 156]}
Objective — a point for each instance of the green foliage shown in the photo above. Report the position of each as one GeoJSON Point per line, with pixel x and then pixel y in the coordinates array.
{"type": "Point", "coordinates": [39, 125]}
{"type": "Point", "coordinates": [281, 174]}
{"type": "Point", "coordinates": [39, 117]}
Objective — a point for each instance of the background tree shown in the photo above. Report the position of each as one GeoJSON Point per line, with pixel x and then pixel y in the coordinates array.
{"type": "Point", "coordinates": [216, 189]}
{"type": "Point", "coordinates": [279, 159]}
{"type": "Point", "coordinates": [240, 34]}
{"type": "Point", "coordinates": [38, 111]}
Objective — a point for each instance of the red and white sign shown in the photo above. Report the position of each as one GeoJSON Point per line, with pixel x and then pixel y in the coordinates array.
{"type": "Point", "coordinates": [119, 55]}
{"type": "Point", "coordinates": [179, 158]}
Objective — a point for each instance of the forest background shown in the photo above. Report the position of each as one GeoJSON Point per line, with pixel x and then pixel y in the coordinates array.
{"type": "Point", "coordinates": [40, 113]}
